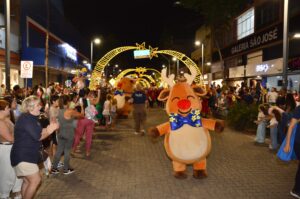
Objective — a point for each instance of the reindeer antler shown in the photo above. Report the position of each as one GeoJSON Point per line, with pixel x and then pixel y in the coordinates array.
{"type": "Point", "coordinates": [190, 78]}
{"type": "Point", "coordinates": [168, 80]}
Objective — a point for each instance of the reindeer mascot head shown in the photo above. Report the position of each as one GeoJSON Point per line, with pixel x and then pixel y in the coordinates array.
{"type": "Point", "coordinates": [187, 140]}
{"type": "Point", "coordinates": [124, 90]}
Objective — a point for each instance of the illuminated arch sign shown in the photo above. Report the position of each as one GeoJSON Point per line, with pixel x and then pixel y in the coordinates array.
{"type": "Point", "coordinates": [98, 72]}
{"type": "Point", "coordinates": [139, 54]}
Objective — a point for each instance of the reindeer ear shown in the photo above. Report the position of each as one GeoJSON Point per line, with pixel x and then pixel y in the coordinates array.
{"type": "Point", "coordinates": [132, 81]}
{"type": "Point", "coordinates": [199, 91]}
{"type": "Point", "coordinates": [164, 95]}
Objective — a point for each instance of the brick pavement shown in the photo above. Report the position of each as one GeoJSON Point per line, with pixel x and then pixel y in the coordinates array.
{"type": "Point", "coordinates": [124, 165]}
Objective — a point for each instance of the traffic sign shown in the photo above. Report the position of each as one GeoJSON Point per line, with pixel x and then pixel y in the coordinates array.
{"type": "Point", "coordinates": [26, 69]}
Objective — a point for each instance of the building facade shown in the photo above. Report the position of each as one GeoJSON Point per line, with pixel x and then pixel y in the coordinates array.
{"type": "Point", "coordinates": [252, 48]}
{"type": "Point", "coordinates": [14, 45]}
{"type": "Point", "coordinates": [66, 48]}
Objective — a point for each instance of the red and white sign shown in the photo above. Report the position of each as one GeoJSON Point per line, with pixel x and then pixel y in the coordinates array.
{"type": "Point", "coordinates": [26, 69]}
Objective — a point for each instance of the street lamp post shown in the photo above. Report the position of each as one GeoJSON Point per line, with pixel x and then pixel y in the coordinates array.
{"type": "Point", "coordinates": [177, 65]}
{"type": "Point", "coordinates": [285, 42]}
{"type": "Point", "coordinates": [115, 70]}
{"type": "Point", "coordinates": [7, 44]}
{"type": "Point", "coordinates": [198, 43]}
{"type": "Point", "coordinates": [169, 65]}
{"type": "Point", "coordinates": [96, 41]}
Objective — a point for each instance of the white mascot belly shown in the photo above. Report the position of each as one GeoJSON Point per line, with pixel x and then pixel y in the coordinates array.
{"type": "Point", "coordinates": [120, 101]}
{"type": "Point", "coordinates": [188, 143]}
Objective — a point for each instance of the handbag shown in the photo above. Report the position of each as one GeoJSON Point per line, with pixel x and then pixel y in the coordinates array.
{"type": "Point", "coordinates": [291, 155]}
{"type": "Point", "coordinates": [43, 155]}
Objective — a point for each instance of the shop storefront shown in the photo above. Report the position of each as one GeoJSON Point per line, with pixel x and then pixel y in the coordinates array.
{"type": "Point", "coordinates": [217, 78]}
{"type": "Point", "coordinates": [236, 75]}
{"type": "Point", "coordinates": [207, 78]}
{"type": "Point", "coordinates": [14, 77]}
{"type": "Point", "coordinates": [268, 73]}
{"type": "Point", "coordinates": [217, 71]}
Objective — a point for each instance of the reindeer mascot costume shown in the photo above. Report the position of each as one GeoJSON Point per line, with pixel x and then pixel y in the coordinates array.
{"type": "Point", "coordinates": [187, 140]}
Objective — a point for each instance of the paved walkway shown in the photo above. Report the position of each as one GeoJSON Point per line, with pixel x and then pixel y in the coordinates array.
{"type": "Point", "coordinates": [124, 165]}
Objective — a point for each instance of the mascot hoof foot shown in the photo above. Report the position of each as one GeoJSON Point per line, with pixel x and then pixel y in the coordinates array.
{"type": "Point", "coordinates": [200, 174]}
{"type": "Point", "coordinates": [220, 124]}
{"type": "Point", "coordinates": [180, 175]}
{"type": "Point", "coordinates": [153, 132]}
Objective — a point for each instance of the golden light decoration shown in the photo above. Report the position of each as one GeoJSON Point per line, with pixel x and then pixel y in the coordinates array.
{"type": "Point", "coordinates": [141, 46]}
{"type": "Point", "coordinates": [103, 62]}
{"type": "Point", "coordinates": [153, 52]}
{"type": "Point", "coordinates": [187, 61]}
{"type": "Point", "coordinates": [145, 83]}
{"type": "Point", "coordinates": [149, 77]}
{"type": "Point", "coordinates": [139, 70]}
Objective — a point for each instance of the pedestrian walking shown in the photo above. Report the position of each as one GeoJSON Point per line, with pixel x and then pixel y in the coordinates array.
{"type": "Point", "coordinates": [295, 120]}
{"type": "Point", "coordinates": [139, 109]}
{"type": "Point", "coordinates": [261, 124]}
{"type": "Point", "coordinates": [106, 111]}
{"type": "Point", "coordinates": [65, 136]}
{"type": "Point", "coordinates": [275, 118]}
{"type": "Point", "coordinates": [86, 125]}
{"type": "Point", "coordinates": [113, 112]}
{"type": "Point", "coordinates": [8, 179]}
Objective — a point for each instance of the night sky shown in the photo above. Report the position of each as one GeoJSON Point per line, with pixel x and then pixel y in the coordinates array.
{"type": "Point", "coordinates": [120, 23]}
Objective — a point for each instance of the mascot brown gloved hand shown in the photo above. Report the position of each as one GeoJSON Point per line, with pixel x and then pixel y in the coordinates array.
{"type": "Point", "coordinates": [187, 140]}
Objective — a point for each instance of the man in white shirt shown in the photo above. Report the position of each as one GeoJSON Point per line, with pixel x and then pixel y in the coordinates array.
{"type": "Point", "coordinates": [272, 96]}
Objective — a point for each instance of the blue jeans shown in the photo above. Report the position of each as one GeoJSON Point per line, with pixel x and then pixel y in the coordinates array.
{"type": "Point", "coordinates": [283, 126]}
{"type": "Point", "coordinates": [261, 132]}
{"type": "Point", "coordinates": [297, 178]}
{"type": "Point", "coordinates": [273, 135]}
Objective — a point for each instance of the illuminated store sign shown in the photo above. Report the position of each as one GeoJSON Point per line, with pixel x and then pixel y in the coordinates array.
{"type": "Point", "coordinates": [262, 67]}
{"type": "Point", "coordinates": [270, 67]}
{"type": "Point", "coordinates": [70, 52]}
{"type": "Point", "coordinates": [254, 41]}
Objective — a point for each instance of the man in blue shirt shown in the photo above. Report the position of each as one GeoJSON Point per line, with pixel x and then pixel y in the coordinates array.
{"type": "Point", "coordinates": [139, 111]}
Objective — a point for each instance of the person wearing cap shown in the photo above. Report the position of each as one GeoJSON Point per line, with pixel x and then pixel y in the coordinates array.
{"type": "Point", "coordinates": [138, 100]}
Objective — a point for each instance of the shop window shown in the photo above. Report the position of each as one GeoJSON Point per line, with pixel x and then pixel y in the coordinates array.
{"type": "Point", "coordinates": [36, 38]}
{"type": "Point", "coordinates": [245, 24]}
{"type": "Point", "coordinates": [266, 14]}
{"type": "Point", "coordinates": [294, 7]}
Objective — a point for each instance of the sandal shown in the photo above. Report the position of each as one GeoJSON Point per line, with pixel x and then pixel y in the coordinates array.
{"type": "Point", "coordinates": [77, 151]}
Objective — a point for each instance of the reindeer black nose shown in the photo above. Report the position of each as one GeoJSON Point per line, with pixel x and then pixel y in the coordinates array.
{"type": "Point", "coordinates": [184, 104]}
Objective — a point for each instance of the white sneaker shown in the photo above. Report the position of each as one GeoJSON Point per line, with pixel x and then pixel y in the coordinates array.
{"type": "Point", "coordinates": [18, 197]}
{"type": "Point", "coordinates": [296, 195]}
{"type": "Point", "coordinates": [69, 171]}
{"type": "Point", "coordinates": [136, 133]}
{"type": "Point", "coordinates": [60, 164]}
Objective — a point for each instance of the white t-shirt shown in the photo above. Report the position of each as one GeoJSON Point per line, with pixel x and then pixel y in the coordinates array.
{"type": "Point", "coordinates": [273, 121]}
{"type": "Point", "coordinates": [113, 108]}
{"type": "Point", "coordinates": [260, 116]}
{"type": "Point", "coordinates": [272, 96]}
{"type": "Point", "coordinates": [106, 108]}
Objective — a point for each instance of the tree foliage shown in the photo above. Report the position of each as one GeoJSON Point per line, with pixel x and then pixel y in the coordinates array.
{"type": "Point", "coordinates": [216, 13]}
